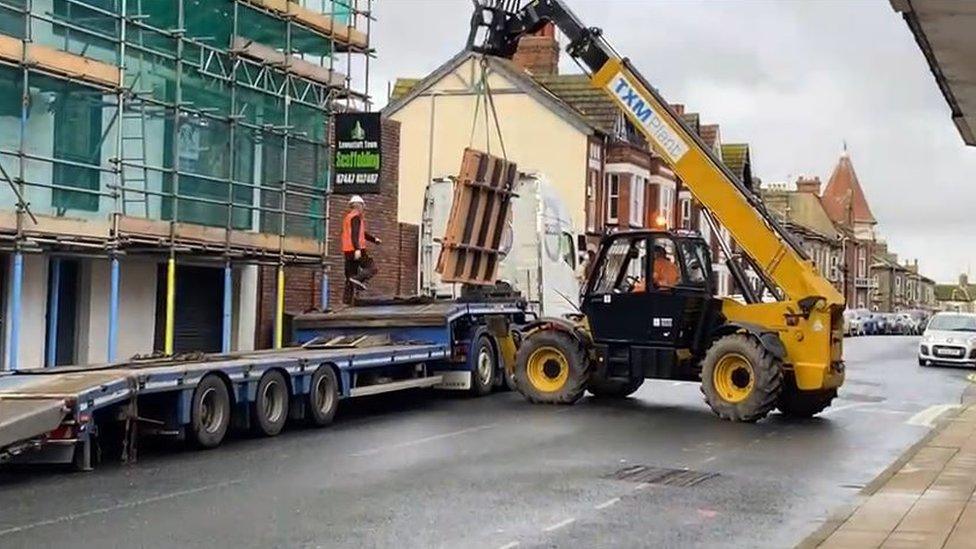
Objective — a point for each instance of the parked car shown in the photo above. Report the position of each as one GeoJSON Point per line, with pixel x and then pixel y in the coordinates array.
{"type": "Point", "coordinates": [949, 339]}
{"type": "Point", "coordinates": [852, 323]}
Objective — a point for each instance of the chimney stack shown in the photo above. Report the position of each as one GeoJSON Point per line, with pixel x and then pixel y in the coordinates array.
{"type": "Point", "coordinates": [964, 280]}
{"type": "Point", "coordinates": [538, 53]}
{"type": "Point", "coordinates": [808, 185]}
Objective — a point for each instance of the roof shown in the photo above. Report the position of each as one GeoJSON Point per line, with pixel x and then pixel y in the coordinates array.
{"type": "Point", "coordinates": [505, 67]}
{"type": "Point", "coordinates": [843, 198]}
{"type": "Point", "coordinates": [736, 157]}
{"type": "Point", "coordinates": [578, 92]}
{"type": "Point", "coordinates": [943, 30]}
{"type": "Point", "coordinates": [709, 134]}
{"type": "Point", "coordinates": [402, 86]}
{"type": "Point", "coordinates": [693, 121]}
{"type": "Point", "coordinates": [804, 211]}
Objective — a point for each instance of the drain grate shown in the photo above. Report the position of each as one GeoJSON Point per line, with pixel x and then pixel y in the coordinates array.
{"type": "Point", "coordinates": [662, 476]}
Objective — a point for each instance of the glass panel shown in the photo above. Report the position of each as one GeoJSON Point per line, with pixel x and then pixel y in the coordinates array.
{"type": "Point", "coordinates": [11, 91]}
{"type": "Point", "coordinates": [306, 168]}
{"type": "Point", "coordinates": [307, 122]}
{"type": "Point", "coordinates": [70, 123]}
{"type": "Point", "coordinates": [272, 157]}
{"type": "Point", "coordinates": [162, 14]}
{"type": "Point", "coordinates": [261, 27]}
{"type": "Point", "coordinates": [201, 92]}
{"type": "Point", "coordinates": [210, 21]}
{"type": "Point", "coordinates": [150, 75]}
{"type": "Point", "coordinates": [91, 34]}
{"type": "Point", "coordinates": [12, 23]}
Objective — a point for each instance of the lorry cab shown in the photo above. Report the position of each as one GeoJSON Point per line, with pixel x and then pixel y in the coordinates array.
{"type": "Point", "coordinates": [539, 253]}
{"type": "Point", "coordinates": [650, 304]}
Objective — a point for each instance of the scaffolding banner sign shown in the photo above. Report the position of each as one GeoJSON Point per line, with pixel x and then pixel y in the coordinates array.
{"type": "Point", "coordinates": [357, 158]}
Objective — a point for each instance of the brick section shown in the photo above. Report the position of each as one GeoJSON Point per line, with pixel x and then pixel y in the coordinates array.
{"type": "Point", "coordinates": [302, 284]}
{"type": "Point", "coordinates": [539, 53]}
{"type": "Point", "coordinates": [409, 244]}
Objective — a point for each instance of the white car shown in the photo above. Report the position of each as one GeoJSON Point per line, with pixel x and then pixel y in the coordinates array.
{"type": "Point", "coordinates": [949, 339]}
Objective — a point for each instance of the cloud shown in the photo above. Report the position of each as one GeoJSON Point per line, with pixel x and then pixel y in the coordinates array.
{"type": "Point", "coordinates": [794, 79]}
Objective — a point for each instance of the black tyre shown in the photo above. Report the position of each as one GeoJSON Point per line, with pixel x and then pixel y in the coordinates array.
{"type": "Point", "coordinates": [209, 412]}
{"type": "Point", "coordinates": [485, 366]}
{"type": "Point", "coordinates": [551, 368]}
{"type": "Point", "coordinates": [795, 403]}
{"type": "Point", "coordinates": [741, 380]}
{"type": "Point", "coordinates": [323, 396]}
{"type": "Point", "coordinates": [270, 409]}
{"type": "Point", "coordinates": [601, 387]}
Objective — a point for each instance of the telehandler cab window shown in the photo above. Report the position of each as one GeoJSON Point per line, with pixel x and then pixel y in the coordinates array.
{"type": "Point", "coordinates": [623, 266]}
{"type": "Point", "coordinates": [695, 256]}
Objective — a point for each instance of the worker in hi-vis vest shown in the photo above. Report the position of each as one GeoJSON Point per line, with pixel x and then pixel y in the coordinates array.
{"type": "Point", "coordinates": [358, 265]}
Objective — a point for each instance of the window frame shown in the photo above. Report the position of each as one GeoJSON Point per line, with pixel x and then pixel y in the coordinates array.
{"type": "Point", "coordinates": [613, 197]}
{"type": "Point", "coordinates": [638, 184]}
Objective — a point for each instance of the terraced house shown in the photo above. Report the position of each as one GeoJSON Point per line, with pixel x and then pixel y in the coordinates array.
{"type": "Point", "coordinates": [165, 167]}
{"type": "Point", "coordinates": [553, 123]}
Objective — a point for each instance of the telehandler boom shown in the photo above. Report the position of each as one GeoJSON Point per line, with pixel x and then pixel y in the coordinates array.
{"type": "Point", "coordinates": [750, 357]}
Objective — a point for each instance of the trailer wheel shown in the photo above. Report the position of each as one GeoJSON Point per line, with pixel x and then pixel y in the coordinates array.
{"type": "Point", "coordinates": [210, 412]}
{"type": "Point", "coordinates": [485, 367]}
{"type": "Point", "coordinates": [271, 404]}
{"type": "Point", "coordinates": [741, 379]}
{"type": "Point", "coordinates": [551, 368]}
{"type": "Point", "coordinates": [323, 396]}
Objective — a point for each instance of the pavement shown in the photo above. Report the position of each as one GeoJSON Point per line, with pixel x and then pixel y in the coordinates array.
{"type": "Point", "coordinates": [928, 500]}
{"type": "Point", "coordinates": [420, 470]}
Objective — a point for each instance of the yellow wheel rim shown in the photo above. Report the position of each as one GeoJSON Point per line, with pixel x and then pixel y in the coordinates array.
{"type": "Point", "coordinates": [733, 377]}
{"type": "Point", "coordinates": [547, 369]}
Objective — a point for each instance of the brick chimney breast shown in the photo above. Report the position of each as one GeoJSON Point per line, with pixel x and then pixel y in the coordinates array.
{"type": "Point", "coordinates": [539, 53]}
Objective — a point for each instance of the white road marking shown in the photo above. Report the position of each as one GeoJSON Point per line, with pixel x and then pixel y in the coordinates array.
{"type": "Point", "coordinates": [559, 525]}
{"type": "Point", "coordinates": [607, 503]}
{"type": "Point", "coordinates": [926, 417]}
{"type": "Point", "coordinates": [407, 444]}
{"type": "Point", "coordinates": [641, 486]}
{"type": "Point", "coordinates": [835, 409]}
{"type": "Point", "coordinates": [101, 511]}
{"type": "Point", "coordinates": [709, 459]}
{"type": "Point", "coordinates": [509, 545]}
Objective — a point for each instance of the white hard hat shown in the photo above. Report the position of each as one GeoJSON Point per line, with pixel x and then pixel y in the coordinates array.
{"type": "Point", "coordinates": [356, 199]}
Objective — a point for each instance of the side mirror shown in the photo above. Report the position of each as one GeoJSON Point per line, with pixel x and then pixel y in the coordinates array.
{"type": "Point", "coordinates": [581, 243]}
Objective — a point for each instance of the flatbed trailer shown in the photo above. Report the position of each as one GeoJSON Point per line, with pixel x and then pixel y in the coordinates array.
{"type": "Point", "coordinates": [70, 415]}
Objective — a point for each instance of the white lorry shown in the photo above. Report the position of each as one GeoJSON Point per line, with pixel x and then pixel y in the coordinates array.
{"type": "Point", "coordinates": [540, 257]}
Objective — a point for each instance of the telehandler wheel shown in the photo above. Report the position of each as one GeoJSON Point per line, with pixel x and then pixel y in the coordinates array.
{"type": "Point", "coordinates": [796, 403]}
{"type": "Point", "coordinates": [601, 387]}
{"type": "Point", "coordinates": [551, 368]}
{"type": "Point", "coordinates": [741, 380]}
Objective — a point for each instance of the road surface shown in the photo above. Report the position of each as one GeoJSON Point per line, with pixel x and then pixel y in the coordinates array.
{"type": "Point", "coordinates": [422, 471]}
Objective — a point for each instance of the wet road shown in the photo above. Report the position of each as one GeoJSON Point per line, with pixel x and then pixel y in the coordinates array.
{"type": "Point", "coordinates": [497, 472]}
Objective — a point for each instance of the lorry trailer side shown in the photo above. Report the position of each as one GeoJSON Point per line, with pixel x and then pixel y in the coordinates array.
{"type": "Point", "coordinates": [69, 415]}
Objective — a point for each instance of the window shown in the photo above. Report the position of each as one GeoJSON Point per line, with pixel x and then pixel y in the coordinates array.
{"type": "Point", "coordinates": [897, 284]}
{"type": "Point", "coordinates": [623, 260]}
{"type": "Point", "coordinates": [637, 201]}
{"type": "Point", "coordinates": [696, 260]}
{"type": "Point", "coordinates": [666, 205]}
{"type": "Point", "coordinates": [613, 197]}
{"type": "Point", "coordinates": [862, 262]}
{"type": "Point", "coordinates": [834, 268]}
{"type": "Point", "coordinates": [591, 184]}
{"type": "Point", "coordinates": [686, 213]}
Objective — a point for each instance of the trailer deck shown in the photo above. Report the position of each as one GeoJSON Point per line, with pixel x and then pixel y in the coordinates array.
{"type": "Point", "coordinates": [52, 415]}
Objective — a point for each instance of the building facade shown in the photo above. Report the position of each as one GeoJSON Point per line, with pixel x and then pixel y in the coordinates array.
{"type": "Point", "coordinates": [797, 206]}
{"type": "Point", "coordinates": [957, 297]}
{"type": "Point", "coordinates": [844, 201]}
{"type": "Point", "coordinates": [155, 156]}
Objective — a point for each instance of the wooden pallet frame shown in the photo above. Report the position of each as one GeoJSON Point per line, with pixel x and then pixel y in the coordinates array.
{"type": "Point", "coordinates": [482, 199]}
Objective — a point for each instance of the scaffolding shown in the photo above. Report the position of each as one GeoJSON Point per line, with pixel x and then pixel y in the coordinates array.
{"type": "Point", "coordinates": [182, 128]}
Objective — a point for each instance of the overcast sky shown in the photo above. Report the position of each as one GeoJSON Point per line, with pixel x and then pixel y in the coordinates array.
{"type": "Point", "coordinates": [793, 79]}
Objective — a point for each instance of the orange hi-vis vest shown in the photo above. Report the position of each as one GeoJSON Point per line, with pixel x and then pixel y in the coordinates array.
{"type": "Point", "coordinates": [352, 243]}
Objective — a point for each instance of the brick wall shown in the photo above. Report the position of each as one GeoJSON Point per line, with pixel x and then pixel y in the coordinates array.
{"type": "Point", "coordinates": [396, 272]}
